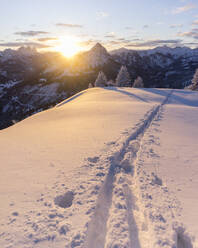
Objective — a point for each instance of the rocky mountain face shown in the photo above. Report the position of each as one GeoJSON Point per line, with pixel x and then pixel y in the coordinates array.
{"type": "Point", "coordinates": [31, 81]}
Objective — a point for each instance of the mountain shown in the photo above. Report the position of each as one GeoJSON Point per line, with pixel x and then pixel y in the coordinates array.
{"type": "Point", "coordinates": [161, 66]}
{"type": "Point", "coordinates": [108, 167]}
{"type": "Point", "coordinates": [31, 81]}
{"type": "Point", "coordinates": [97, 56]}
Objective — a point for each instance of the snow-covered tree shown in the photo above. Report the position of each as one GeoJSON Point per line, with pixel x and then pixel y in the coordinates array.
{"type": "Point", "coordinates": [101, 80]}
{"type": "Point", "coordinates": [138, 83]}
{"type": "Point", "coordinates": [195, 81]}
{"type": "Point", "coordinates": [90, 85]}
{"type": "Point", "coordinates": [123, 78]}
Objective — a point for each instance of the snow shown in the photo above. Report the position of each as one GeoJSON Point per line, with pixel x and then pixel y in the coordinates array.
{"type": "Point", "coordinates": [112, 167]}
{"type": "Point", "coordinates": [3, 73]}
{"type": "Point", "coordinates": [123, 77]}
{"type": "Point", "coordinates": [181, 123]}
{"type": "Point", "coordinates": [160, 56]}
{"type": "Point", "coordinates": [42, 80]}
{"type": "Point", "coordinates": [9, 84]}
{"type": "Point", "coordinates": [165, 50]}
{"type": "Point", "coordinates": [101, 80]}
{"type": "Point", "coordinates": [41, 92]}
{"type": "Point", "coordinates": [22, 52]}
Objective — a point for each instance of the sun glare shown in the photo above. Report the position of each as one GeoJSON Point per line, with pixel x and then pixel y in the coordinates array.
{"type": "Point", "coordinates": [68, 46]}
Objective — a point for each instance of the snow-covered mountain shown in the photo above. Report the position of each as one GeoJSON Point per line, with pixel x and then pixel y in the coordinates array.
{"type": "Point", "coordinates": [26, 70]}
{"type": "Point", "coordinates": [165, 50]}
{"type": "Point", "coordinates": [112, 167]}
{"type": "Point", "coordinates": [161, 66]}
{"type": "Point", "coordinates": [97, 56]}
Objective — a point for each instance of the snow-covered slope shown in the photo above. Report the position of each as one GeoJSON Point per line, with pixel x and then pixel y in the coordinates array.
{"type": "Point", "coordinates": [113, 167]}
{"type": "Point", "coordinates": [161, 67]}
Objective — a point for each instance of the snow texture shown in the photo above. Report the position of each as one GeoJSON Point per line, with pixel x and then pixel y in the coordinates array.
{"type": "Point", "coordinates": [110, 167]}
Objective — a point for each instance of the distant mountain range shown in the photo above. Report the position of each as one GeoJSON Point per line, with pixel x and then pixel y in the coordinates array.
{"type": "Point", "coordinates": [31, 81]}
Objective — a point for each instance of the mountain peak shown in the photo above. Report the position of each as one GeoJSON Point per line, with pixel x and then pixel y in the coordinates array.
{"type": "Point", "coordinates": [99, 48]}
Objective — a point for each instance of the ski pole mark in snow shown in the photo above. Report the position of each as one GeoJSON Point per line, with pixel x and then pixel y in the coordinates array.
{"type": "Point", "coordinates": [97, 228]}
{"type": "Point", "coordinates": [133, 230]}
{"type": "Point", "coordinates": [182, 239]}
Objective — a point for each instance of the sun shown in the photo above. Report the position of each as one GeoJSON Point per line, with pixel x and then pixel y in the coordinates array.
{"type": "Point", "coordinates": [69, 46]}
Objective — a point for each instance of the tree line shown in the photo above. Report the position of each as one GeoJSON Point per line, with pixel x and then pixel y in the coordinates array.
{"type": "Point", "coordinates": [122, 80]}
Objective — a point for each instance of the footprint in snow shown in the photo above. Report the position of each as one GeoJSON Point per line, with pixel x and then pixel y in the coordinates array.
{"type": "Point", "coordinates": [15, 213]}
{"type": "Point", "coordinates": [156, 180]}
{"type": "Point", "coordinates": [93, 159]}
{"type": "Point", "coordinates": [64, 201]}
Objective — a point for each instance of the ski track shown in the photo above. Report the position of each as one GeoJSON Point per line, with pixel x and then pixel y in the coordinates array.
{"type": "Point", "coordinates": [115, 201]}
{"type": "Point", "coordinates": [102, 195]}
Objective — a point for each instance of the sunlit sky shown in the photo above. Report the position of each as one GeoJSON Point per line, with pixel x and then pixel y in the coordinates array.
{"type": "Point", "coordinates": [134, 24]}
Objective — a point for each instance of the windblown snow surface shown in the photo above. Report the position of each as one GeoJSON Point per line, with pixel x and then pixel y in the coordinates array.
{"type": "Point", "coordinates": [112, 168]}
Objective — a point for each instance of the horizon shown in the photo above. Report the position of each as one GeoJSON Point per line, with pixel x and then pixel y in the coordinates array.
{"type": "Point", "coordinates": [84, 51]}
{"type": "Point", "coordinates": [67, 27]}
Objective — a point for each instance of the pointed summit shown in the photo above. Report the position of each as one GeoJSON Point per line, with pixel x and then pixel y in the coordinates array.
{"type": "Point", "coordinates": [97, 56]}
{"type": "Point", "coordinates": [97, 45]}
{"type": "Point", "coordinates": [98, 48]}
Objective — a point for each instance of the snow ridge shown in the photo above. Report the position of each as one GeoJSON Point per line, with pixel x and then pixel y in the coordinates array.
{"type": "Point", "coordinates": [97, 235]}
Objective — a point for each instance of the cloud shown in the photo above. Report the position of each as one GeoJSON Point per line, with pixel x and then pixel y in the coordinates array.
{"type": "Point", "coordinates": [69, 25]}
{"type": "Point", "coordinates": [102, 15]}
{"type": "Point", "coordinates": [176, 26]}
{"type": "Point", "coordinates": [128, 28]}
{"type": "Point", "coordinates": [83, 35]}
{"type": "Point", "coordinates": [137, 39]}
{"type": "Point", "coordinates": [110, 35]}
{"type": "Point", "coordinates": [160, 23]}
{"type": "Point", "coordinates": [195, 23]}
{"type": "Point", "coordinates": [184, 8]}
{"type": "Point", "coordinates": [191, 43]}
{"type": "Point", "coordinates": [90, 42]}
{"type": "Point", "coordinates": [154, 43]}
{"type": "Point", "coordinates": [191, 34]}
{"type": "Point", "coordinates": [146, 26]}
{"type": "Point", "coordinates": [19, 44]}
{"type": "Point", "coordinates": [31, 33]}
{"type": "Point", "coordinates": [45, 39]}
{"type": "Point", "coordinates": [121, 39]}
{"type": "Point", "coordinates": [113, 42]}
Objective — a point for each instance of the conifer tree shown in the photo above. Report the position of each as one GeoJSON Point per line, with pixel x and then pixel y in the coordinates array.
{"type": "Point", "coordinates": [138, 83]}
{"type": "Point", "coordinates": [90, 85]}
{"type": "Point", "coordinates": [101, 80]}
{"type": "Point", "coordinates": [123, 78]}
{"type": "Point", "coordinates": [195, 80]}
